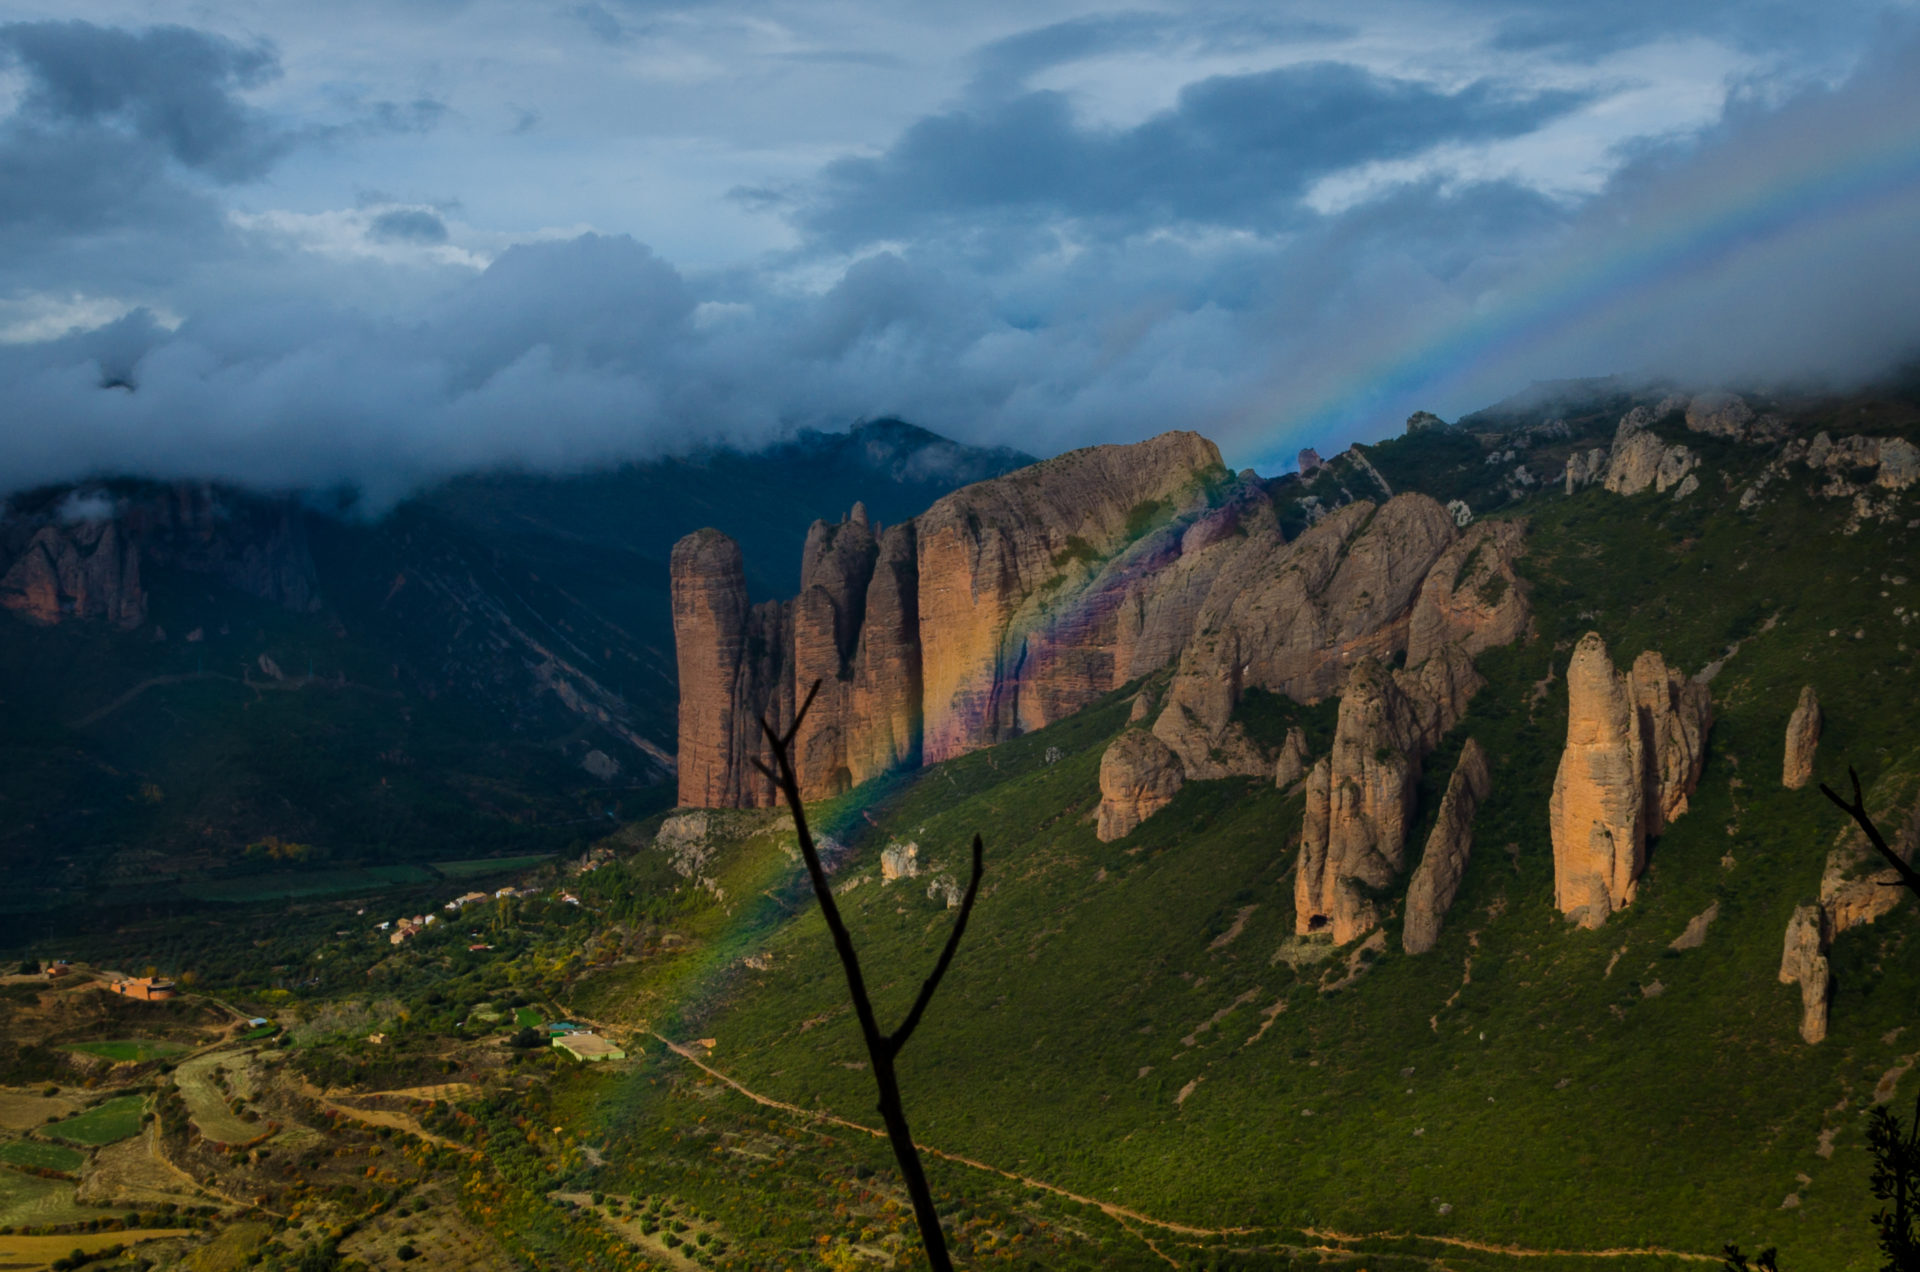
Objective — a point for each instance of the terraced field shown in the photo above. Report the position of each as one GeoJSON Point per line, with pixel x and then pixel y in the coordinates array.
{"type": "Point", "coordinates": [35, 1252]}
{"type": "Point", "coordinates": [130, 1050]}
{"type": "Point", "coordinates": [207, 1103]}
{"type": "Point", "coordinates": [24, 1110]}
{"type": "Point", "coordinates": [104, 1123]}
{"type": "Point", "coordinates": [40, 1156]}
{"type": "Point", "coordinates": [30, 1200]}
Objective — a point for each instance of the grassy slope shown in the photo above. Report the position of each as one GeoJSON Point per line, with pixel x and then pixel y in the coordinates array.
{"type": "Point", "coordinates": [1559, 1105]}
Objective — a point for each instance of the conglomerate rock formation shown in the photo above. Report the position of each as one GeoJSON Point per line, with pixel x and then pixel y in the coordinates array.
{"type": "Point", "coordinates": [1636, 743]}
{"type": "Point", "coordinates": [1004, 606]}
{"type": "Point", "coordinates": [1139, 776]}
{"type": "Point", "coordinates": [1360, 797]}
{"type": "Point", "coordinates": [1803, 738]}
{"type": "Point", "coordinates": [1443, 864]}
{"type": "Point", "coordinates": [1017, 601]}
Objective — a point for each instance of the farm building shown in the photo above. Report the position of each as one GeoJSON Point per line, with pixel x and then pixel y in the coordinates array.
{"type": "Point", "coordinates": [589, 1048]}
{"type": "Point", "coordinates": [148, 989]}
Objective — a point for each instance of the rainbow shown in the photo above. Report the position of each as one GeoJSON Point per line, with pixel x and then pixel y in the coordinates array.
{"type": "Point", "coordinates": [1720, 223]}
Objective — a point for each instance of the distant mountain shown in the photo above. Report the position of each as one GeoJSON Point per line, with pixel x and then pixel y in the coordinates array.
{"type": "Point", "coordinates": [196, 680]}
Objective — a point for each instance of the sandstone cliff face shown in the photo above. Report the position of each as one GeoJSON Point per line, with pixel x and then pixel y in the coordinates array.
{"type": "Point", "coordinates": [1803, 737]}
{"type": "Point", "coordinates": [1015, 602]}
{"type": "Point", "coordinates": [79, 555]}
{"type": "Point", "coordinates": [883, 731]}
{"type": "Point", "coordinates": [1867, 472]}
{"type": "Point", "coordinates": [1471, 597]}
{"type": "Point", "coordinates": [1636, 744]}
{"type": "Point", "coordinates": [80, 570]}
{"type": "Point", "coordinates": [1293, 618]}
{"type": "Point", "coordinates": [710, 628]}
{"type": "Point", "coordinates": [1006, 605]}
{"type": "Point", "coordinates": [1727, 415]}
{"type": "Point", "coordinates": [1443, 864]}
{"type": "Point", "coordinates": [1138, 777]}
{"type": "Point", "coordinates": [1360, 798]}
{"type": "Point", "coordinates": [836, 569]}
{"type": "Point", "coordinates": [1006, 643]}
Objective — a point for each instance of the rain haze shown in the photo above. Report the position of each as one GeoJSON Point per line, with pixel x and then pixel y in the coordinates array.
{"type": "Point", "coordinates": [374, 245]}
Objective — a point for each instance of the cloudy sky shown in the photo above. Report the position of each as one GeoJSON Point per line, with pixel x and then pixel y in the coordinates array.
{"type": "Point", "coordinates": [374, 243]}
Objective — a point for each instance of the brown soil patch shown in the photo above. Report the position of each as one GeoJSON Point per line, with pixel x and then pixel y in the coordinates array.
{"type": "Point", "coordinates": [133, 1172]}
{"type": "Point", "coordinates": [444, 1091]}
{"type": "Point", "coordinates": [24, 1110]}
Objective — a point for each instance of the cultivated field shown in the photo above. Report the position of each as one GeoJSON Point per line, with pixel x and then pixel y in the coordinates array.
{"type": "Point", "coordinates": [132, 1172]}
{"type": "Point", "coordinates": [104, 1123]}
{"type": "Point", "coordinates": [24, 1110]}
{"type": "Point", "coordinates": [39, 1252]}
{"type": "Point", "coordinates": [207, 1102]}
{"type": "Point", "coordinates": [32, 1200]}
{"type": "Point", "coordinates": [129, 1050]}
{"type": "Point", "coordinates": [42, 1156]}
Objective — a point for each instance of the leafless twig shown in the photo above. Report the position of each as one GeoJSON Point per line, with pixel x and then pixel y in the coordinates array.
{"type": "Point", "coordinates": [1858, 811]}
{"type": "Point", "coordinates": [882, 1048]}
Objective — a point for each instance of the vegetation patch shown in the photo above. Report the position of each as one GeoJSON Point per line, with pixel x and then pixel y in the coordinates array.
{"type": "Point", "coordinates": [129, 1050]}
{"type": "Point", "coordinates": [312, 883]}
{"type": "Point", "coordinates": [37, 1201]}
{"type": "Point", "coordinates": [478, 866]}
{"type": "Point", "coordinates": [38, 1156]}
{"type": "Point", "coordinates": [104, 1123]}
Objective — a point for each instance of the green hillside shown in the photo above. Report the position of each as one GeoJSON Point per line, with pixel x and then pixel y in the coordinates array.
{"type": "Point", "coordinates": [1133, 1022]}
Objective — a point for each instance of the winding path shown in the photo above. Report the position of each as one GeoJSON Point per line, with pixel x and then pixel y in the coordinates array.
{"type": "Point", "coordinates": [1128, 1218]}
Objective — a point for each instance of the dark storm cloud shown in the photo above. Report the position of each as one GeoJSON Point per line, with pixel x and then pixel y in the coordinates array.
{"type": "Point", "coordinates": [1049, 282]}
{"type": "Point", "coordinates": [1235, 151]}
{"type": "Point", "coordinates": [408, 225]}
{"type": "Point", "coordinates": [170, 85]}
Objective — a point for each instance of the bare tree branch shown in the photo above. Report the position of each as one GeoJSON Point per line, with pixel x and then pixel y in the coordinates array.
{"type": "Point", "coordinates": [881, 1048]}
{"type": "Point", "coordinates": [1858, 811]}
{"type": "Point", "coordinates": [898, 1038]}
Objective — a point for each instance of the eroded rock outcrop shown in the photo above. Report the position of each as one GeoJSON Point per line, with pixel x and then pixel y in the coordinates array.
{"type": "Point", "coordinates": [1139, 776]}
{"type": "Point", "coordinates": [1804, 963]}
{"type": "Point", "coordinates": [1636, 744]}
{"type": "Point", "coordinates": [1803, 738]}
{"type": "Point", "coordinates": [1639, 458]}
{"type": "Point", "coordinates": [1294, 618]}
{"type": "Point", "coordinates": [1017, 601]}
{"type": "Point", "coordinates": [1727, 415]}
{"type": "Point", "coordinates": [1291, 765]}
{"type": "Point", "coordinates": [1443, 863]}
{"type": "Point", "coordinates": [1471, 596]}
{"type": "Point", "coordinates": [1360, 798]}
{"type": "Point", "coordinates": [1006, 605]}
{"type": "Point", "coordinates": [84, 569]}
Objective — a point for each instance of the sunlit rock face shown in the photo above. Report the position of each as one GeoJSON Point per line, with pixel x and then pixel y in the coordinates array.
{"type": "Point", "coordinates": [1018, 601]}
{"type": "Point", "coordinates": [1636, 744]}
{"type": "Point", "coordinates": [1803, 739]}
